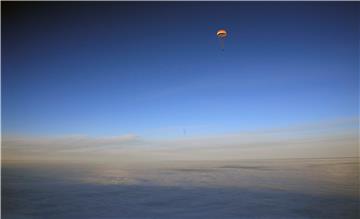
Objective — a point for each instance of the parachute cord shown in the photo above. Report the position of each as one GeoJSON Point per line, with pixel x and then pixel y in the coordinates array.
{"type": "Point", "coordinates": [222, 44]}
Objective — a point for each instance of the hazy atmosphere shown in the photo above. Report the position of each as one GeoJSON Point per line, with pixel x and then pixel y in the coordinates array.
{"type": "Point", "coordinates": [141, 110]}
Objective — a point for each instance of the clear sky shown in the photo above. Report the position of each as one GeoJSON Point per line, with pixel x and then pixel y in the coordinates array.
{"type": "Point", "coordinates": [152, 69]}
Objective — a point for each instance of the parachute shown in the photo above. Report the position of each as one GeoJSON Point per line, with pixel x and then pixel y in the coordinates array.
{"type": "Point", "coordinates": [221, 34]}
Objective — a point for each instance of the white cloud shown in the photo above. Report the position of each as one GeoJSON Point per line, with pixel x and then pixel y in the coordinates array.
{"type": "Point", "coordinates": [65, 143]}
{"type": "Point", "coordinates": [328, 139]}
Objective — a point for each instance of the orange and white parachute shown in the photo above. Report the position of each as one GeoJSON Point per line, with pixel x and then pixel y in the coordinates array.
{"type": "Point", "coordinates": [222, 34]}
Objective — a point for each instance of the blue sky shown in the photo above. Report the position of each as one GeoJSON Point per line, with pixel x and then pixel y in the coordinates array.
{"type": "Point", "coordinates": [152, 69]}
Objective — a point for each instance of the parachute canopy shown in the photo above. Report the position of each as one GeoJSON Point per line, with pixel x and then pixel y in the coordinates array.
{"type": "Point", "coordinates": [221, 33]}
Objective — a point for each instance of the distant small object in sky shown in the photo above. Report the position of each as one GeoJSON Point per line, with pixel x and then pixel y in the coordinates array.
{"type": "Point", "coordinates": [222, 34]}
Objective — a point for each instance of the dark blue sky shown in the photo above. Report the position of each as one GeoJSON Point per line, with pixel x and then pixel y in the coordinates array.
{"type": "Point", "coordinates": [154, 68]}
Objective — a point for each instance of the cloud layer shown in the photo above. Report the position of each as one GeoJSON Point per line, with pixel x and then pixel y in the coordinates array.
{"type": "Point", "coordinates": [330, 139]}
